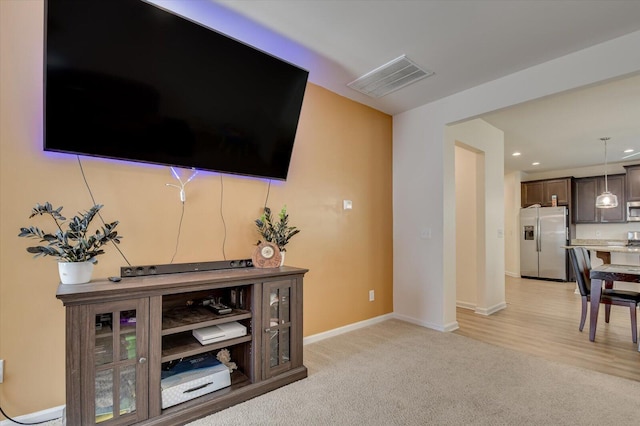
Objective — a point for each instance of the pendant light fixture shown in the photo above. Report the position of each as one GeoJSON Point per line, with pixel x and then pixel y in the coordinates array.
{"type": "Point", "coordinates": [606, 200]}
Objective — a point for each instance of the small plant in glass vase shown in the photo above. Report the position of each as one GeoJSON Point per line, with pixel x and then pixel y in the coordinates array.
{"type": "Point", "coordinates": [276, 232]}
{"type": "Point", "coordinates": [75, 247]}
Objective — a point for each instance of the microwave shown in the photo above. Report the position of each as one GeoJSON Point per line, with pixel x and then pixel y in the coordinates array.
{"type": "Point", "coordinates": [633, 211]}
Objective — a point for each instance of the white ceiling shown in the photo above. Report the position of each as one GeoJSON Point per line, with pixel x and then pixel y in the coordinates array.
{"type": "Point", "coordinates": [466, 43]}
{"type": "Point", "coordinates": [563, 131]}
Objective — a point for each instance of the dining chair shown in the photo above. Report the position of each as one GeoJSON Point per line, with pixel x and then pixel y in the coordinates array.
{"type": "Point", "coordinates": [610, 296]}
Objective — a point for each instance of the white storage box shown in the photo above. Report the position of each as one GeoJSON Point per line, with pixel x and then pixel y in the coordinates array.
{"type": "Point", "coordinates": [217, 333]}
{"type": "Point", "coordinates": [191, 384]}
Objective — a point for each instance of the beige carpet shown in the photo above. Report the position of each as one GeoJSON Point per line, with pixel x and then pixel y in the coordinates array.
{"type": "Point", "coordinates": [395, 373]}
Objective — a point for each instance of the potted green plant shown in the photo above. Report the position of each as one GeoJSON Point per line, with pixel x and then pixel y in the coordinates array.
{"type": "Point", "coordinates": [75, 247]}
{"type": "Point", "coordinates": [279, 232]}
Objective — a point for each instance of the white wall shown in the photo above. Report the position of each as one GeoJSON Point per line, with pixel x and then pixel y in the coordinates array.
{"type": "Point", "coordinates": [418, 194]}
{"type": "Point", "coordinates": [612, 169]}
{"type": "Point", "coordinates": [424, 178]}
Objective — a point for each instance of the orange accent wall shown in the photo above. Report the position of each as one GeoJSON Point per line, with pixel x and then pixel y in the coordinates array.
{"type": "Point", "coordinates": [342, 151]}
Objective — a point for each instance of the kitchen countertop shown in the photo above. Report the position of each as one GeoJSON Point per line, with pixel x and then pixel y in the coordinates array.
{"type": "Point", "coordinates": [611, 246]}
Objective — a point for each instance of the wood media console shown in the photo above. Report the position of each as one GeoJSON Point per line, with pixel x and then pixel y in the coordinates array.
{"type": "Point", "coordinates": [120, 336]}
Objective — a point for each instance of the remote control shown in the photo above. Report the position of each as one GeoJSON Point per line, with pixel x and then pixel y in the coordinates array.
{"type": "Point", "coordinates": [221, 309]}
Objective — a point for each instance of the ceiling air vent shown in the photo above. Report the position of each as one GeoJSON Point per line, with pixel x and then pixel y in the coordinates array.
{"type": "Point", "coordinates": [389, 77]}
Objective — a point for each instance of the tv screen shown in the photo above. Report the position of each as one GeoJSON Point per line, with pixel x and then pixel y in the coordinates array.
{"type": "Point", "coordinates": [128, 80]}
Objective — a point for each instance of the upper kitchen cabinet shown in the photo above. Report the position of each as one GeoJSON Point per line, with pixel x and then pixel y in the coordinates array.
{"type": "Point", "coordinates": [541, 192]}
{"type": "Point", "coordinates": [633, 182]}
{"type": "Point", "coordinates": [585, 192]}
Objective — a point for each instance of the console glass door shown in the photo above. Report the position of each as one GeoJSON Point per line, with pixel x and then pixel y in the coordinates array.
{"type": "Point", "coordinates": [119, 363]}
{"type": "Point", "coordinates": [278, 333]}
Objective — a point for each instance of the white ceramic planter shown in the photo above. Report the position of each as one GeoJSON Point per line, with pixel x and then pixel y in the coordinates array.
{"type": "Point", "coordinates": [75, 272]}
{"type": "Point", "coordinates": [282, 260]}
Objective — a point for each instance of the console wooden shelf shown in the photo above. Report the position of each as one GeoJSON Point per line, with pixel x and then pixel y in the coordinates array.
{"type": "Point", "coordinates": [186, 319]}
{"type": "Point", "coordinates": [184, 344]}
{"type": "Point", "coordinates": [120, 336]}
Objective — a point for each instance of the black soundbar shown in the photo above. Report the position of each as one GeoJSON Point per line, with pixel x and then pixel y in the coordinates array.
{"type": "Point", "coordinates": [174, 268]}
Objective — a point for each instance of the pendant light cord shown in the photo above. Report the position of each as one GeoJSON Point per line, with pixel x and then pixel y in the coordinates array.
{"type": "Point", "coordinates": [606, 186]}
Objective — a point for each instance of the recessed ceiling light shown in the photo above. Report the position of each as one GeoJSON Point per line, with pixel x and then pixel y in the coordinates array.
{"type": "Point", "coordinates": [626, 151]}
{"type": "Point", "coordinates": [535, 164]}
{"type": "Point", "coordinates": [515, 154]}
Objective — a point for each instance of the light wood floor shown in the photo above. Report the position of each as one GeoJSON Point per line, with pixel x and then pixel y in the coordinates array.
{"type": "Point", "coordinates": [542, 319]}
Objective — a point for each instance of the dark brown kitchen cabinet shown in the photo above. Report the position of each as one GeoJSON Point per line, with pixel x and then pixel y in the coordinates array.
{"type": "Point", "coordinates": [585, 192]}
{"type": "Point", "coordinates": [633, 182]}
{"type": "Point", "coordinates": [541, 192]}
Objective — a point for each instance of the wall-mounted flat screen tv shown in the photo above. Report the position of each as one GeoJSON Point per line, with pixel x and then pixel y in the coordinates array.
{"type": "Point", "coordinates": [128, 80]}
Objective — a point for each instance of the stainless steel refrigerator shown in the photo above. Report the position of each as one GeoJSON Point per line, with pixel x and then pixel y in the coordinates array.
{"type": "Point", "coordinates": [543, 233]}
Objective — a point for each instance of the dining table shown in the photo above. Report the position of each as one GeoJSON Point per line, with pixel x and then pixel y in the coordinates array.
{"type": "Point", "coordinates": [608, 273]}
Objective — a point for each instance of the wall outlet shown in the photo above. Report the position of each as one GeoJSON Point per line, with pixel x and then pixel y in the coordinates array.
{"type": "Point", "coordinates": [1, 370]}
{"type": "Point", "coordinates": [372, 296]}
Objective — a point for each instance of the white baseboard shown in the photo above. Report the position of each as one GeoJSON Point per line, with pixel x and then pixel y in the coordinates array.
{"type": "Point", "coordinates": [345, 329]}
{"type": "Point", "coordinates": [492, 309]}
{"type": "Point", "coordinates": [40, 416]}
{"type": "Point", "coordinates": [512, 274]}
{"type": "Point", "coordinates": [340, 330]}
{"type": "Point", "coordinates": [444, 328]}
{"type": "Point", "coordinates": [466, 305]}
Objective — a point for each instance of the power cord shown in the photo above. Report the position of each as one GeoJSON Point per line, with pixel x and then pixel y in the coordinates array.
{"type": "Point", "coordinates": [224, 224]}
{"type": "Point", "coordinates": [178, 237]}
{"type": "Point", "coordinates": [267, 197]}
{"type": "Point", "coordinates": [183, 199]}
{"type": "Point", "coordinates": [183, 194]}
{"type": "Point", "coordinates": [94, 203]}
{"type": "Point", "coordinates": [22, 423]}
